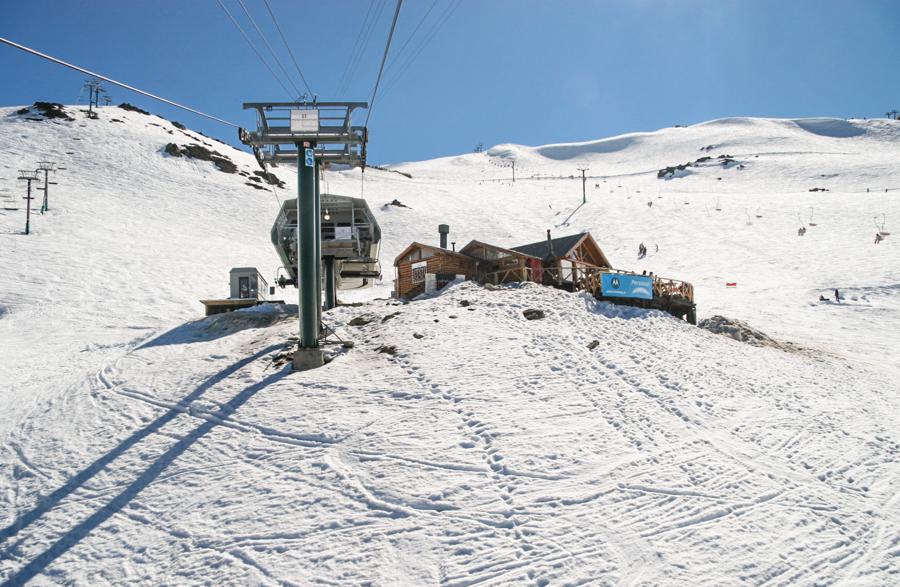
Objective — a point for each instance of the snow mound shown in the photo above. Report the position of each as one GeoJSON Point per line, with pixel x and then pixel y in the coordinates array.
{"type": "Point", "coordinates": [566, 151]}
{"type": "Point", "coordinates": [743, 332]}
{"type": "Point", "coordinates": [836, 128]}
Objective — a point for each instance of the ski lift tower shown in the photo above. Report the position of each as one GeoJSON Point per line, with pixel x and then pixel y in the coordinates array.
{"type": "Point", "coordinates": [308, 134]}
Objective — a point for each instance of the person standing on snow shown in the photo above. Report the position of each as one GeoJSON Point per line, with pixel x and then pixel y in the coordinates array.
{"type": "Point", "coordinates": [837, 295]}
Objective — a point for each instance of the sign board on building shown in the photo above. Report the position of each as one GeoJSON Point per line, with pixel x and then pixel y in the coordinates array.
{"type": "Point", "coordinates": [304, 121]}
{"type": "Point", "coordinates": [418, 271]}
{"type": "Point", "coordinates": [343, 233]}
{"type": "Point", "coordinates": [621, 285]}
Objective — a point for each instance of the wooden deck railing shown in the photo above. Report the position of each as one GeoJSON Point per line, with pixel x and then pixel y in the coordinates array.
{"type": "Point", "coordinates": [586, 278]}
{"type": "Point", "coordinates": [506, 276]}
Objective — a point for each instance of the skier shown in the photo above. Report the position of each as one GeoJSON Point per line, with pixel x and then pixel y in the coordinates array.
{"type": "Point", "coordinates": [837, 296]}
{"type": "Point", "coordinates": [878, 238]}
{"type": "Point", "coordinates": [822, 298]}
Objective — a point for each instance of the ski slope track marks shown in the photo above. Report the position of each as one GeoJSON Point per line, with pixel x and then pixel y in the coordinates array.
{"type": "Point", "coordinates": [144, 444]}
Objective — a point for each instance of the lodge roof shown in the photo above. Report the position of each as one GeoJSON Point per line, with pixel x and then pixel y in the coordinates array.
{"type": "Point", "coordinates": [561, 246]}
{"type": "Point", "coordinates": [512, 251]}
{"type": "Point", "coordinates": [432, 248]}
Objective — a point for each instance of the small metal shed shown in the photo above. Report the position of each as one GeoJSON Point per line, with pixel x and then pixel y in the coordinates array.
{"type": "Point", "coordinates": [248, 284]}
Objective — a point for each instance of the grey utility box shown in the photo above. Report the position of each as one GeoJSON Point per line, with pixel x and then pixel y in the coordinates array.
{"type": "Point", "coordinates": [248, 284]}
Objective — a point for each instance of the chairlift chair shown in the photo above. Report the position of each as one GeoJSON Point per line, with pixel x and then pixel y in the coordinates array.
{"type": "Point", "coordinates": [880, 225]}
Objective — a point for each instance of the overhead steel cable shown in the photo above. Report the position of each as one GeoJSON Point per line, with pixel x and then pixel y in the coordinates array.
{"type": "Point", "coordinates": [114, 82]}
{"type": "Point", "coordinates": [272, 51]}
{"type": "Point", "coordinates": [359, 36]}
{"type": "Point", "coordinates": [387, 47]}
{"type": "Point", "coordinates": [255, 50]}
{"type": "Point", "coordinates": [432, 33]}
{"type": "Point", "coordinates": [361, 50]}
{"type": "Point", "coordinates": [397, 55]}
{"type": "Point", "coordinates": [288, 47]}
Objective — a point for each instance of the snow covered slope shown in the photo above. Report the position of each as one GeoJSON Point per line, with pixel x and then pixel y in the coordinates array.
{"type": "Point", "coordinates": [455, 444]}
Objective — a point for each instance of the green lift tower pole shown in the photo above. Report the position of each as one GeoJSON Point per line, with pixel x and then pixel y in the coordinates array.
{"type": "Point", "coordinates": [319, 249]}
{"type": "Point", "coordinates": [307, 270]}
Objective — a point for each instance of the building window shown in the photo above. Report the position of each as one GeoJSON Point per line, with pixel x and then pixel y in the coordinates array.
{"type": "Point", "coordinates": [418, 272]}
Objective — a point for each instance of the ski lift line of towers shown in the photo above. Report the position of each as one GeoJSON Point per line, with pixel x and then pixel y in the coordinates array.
{"type": "Point", "coordinates": [313, 135]}
{"type": "Point", "coordinates": [29, 176]}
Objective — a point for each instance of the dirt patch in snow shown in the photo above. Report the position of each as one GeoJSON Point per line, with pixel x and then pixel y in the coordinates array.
{"type": "Point", "coordinates": [743, 332]}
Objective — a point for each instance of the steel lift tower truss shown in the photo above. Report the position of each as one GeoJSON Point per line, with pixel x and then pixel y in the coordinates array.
{"type": "Point", "coordinates": [310, 134]}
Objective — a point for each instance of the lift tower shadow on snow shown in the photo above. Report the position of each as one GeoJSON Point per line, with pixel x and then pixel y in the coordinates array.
{"type": "Point", "coordinates": [310, 134]}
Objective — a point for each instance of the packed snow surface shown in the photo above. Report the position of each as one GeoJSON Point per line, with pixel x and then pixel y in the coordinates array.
{"type": "Point", "coordinates": [455, 443]}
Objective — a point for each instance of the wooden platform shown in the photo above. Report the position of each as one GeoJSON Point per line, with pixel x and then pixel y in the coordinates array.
{"type": "Point", "coordinates": [230, 305]}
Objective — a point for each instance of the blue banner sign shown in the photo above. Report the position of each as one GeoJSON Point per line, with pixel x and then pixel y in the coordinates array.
{"type": "Point", "coordinates": [620, 285]}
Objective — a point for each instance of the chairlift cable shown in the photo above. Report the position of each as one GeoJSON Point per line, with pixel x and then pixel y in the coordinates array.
{"type": "Point", "coordinates": [399, 53]}
{"type": "Point", "coordinates": [360, 50]}
{"type": "Point", "coordinates": [387, 47]}
{"type": "Point", "coordinates": [353, 50]}
{"type": "Point", "coordinates": [114, 82]}
{"type": "Point", "coordinates": [432, 33]}
{"type": "Point", "coordinates": [269, 46]}
{"type": "Point", "coordinates": [255, 50]}
{"type": "Point", "coordinates": [288, 47]}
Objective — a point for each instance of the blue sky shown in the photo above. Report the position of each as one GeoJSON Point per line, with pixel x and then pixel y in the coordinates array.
{"type": "Point", "coordinates": [496, 71]}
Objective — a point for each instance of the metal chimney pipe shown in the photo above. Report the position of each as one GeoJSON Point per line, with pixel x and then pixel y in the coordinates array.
{"type": "Point", "coordinates": [443, 230]}
{"type": "Point", "coordinates": [549, 244]}
{"type": "Point", "coordinates": [453, 244]}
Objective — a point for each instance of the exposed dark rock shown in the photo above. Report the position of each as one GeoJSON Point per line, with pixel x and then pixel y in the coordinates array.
{"type": "Point", "coordinates": [818, 189]}
{"type": "Point", "coordinates": [389, 316]}
{"type": "Point", "coordinates": [49, 111]}
{"type": "Point", "coordinates": [397, 203]}
{"type": "Point", "coordinates": [178, 125]}
{"type": "Point", "coordinates": [593, 344]}
{"type": "Point", "coordinates": [403, 173]}
{"type": "Point", "coordinates": [669, 172]}
{"type": "Point", "coordinates": [200, 152]}
{"type": "Point", "coordinates": [361, 320]}
{"type": "Point", "coordinates": [117, 120]}
{"type": "Point", "coordinates": [533, 314]}
{"type": "Point", "coordinates": [255, 186]}
{"type": "Point", "coordinates": [465, 303]}
{"type": "Point", "coordinates": [133, 108]}
{"type": "Point", "coordinates": [416, 335]}
{"type": "Point", "coordinates": [387, 349]}
{"type": "Point", "coordinates": [269, 178]}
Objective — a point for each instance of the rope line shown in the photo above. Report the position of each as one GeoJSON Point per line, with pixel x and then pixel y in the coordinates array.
{"type": "Point", "coordinates": [288, 47]}
{"type": "Point", "coordinates": [255, 50]}
{"type": "Point", "coordinates": [272, 51]}
{"type": "Point", "coordinates": [387, 47]}
{"type": "Point", "coordinates": [114, 82]}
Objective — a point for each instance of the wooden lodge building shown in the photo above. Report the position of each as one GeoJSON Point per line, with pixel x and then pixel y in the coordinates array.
{"type": "Point", "coordinates": [565, 259]}
{"type": "Point", "coordinates": [573, 263]}
{"type": "Point", "coordinates": [561, 261]}
{"type": "Point", "coordinates": [424, 268]}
